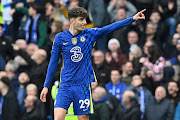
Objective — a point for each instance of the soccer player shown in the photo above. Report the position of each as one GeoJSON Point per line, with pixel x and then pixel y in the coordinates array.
{"type": "Point", "coordinates": [76, 44]}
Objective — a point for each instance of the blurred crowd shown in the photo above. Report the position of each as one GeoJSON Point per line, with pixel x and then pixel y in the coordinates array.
{"type": "Point", "coordinates": [137, 67]}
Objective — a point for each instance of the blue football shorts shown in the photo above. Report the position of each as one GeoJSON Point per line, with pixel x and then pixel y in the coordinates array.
{"type": "Point", "coordinates": [80, 95]}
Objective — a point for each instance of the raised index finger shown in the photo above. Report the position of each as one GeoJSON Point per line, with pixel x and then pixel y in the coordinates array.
{"type": "Point", "coordinates": [142, 11]}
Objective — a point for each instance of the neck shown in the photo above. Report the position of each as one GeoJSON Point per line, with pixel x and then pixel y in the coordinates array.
{"type": "Point", "coordinates": [4, 91]}
{"type": "Point", "coordinates": [128, 105]}
{"type": "Point", "coordinates": [50, 17]}
{"type": "Point", "coordinates": [124, 74]}
{"type": "Point", "coordinates": [150, 37]}
{"type": "Point", "coordinates": [99, 65]}
{"type": "Point", "coordinates": [116, 82]}
{"type": "Point", "coordinates": [138, 89]}
{"type": "Point", "coordinates": [29, 109]}
{"type": "Point", "coordinates": [73, 31]}
{"type": "Point", "coordinates": [11, 75]}
{"type": "Point", "coordinates": [21, 85]}
{"type": "Point", "coordinates": [174, 95]}
{"type": "Point", "coordinates": [34, 16]}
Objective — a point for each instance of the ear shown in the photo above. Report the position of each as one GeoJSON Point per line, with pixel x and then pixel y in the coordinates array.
{"type": "Point", "coordinates": [71, 20]}
{"type": "Point", "coordinates": [177, 89]}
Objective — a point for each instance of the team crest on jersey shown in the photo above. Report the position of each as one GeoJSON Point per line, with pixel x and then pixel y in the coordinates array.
{"type": "Point", "coordinates": [82, 39]}
{"type": "Point", "coordinates": [74, 41]}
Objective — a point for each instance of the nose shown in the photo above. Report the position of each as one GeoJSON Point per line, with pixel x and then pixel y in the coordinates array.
{"type": "Point", "coordinates": [84, 22]}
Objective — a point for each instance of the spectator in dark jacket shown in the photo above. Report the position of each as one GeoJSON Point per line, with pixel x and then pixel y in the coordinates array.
{"type": "Point", "coordinates": [8, 101]}
{"type": "Point", "coordinates": [31, 112]}
{"type": "Point", "coordinates": [102, 70]}
{"type": "Point", "coordinates": [101, 105]}
{"type": "Point", "coordinates": [32, 90]}
{"type": "Point", "coordinates": [143, 95]}
{"type": "Point", "coordinates": [6, 50]}
{"type": "Point", "coordinates": [129, 108]}
{"type": "Point", "coordinates": [160, 108]}
{"type": "Point", "coordinates": [168, 9]}
{"type": "Point", "coordinates": [173, 92]}
{"type": "Point", "coordinates": [20, 88]}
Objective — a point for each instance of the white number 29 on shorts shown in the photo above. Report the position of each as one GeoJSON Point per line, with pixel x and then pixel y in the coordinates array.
{"type": "Point", "coordinates": [84, 102]}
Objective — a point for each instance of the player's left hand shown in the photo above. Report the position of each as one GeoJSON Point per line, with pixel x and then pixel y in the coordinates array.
{"type": "Point", "coordinates": [43, 94]}
{"type": "Point", "coordinates": [139, 15]}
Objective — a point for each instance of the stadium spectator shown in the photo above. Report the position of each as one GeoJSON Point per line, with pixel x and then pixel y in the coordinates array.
{"type": "Point", "coordinates": [114, 57]}
{"type": "Point", "coordinates": [128, 109]}
{"type": "Point", "coordinates": [11, 69]}
{"type": "Point", "coordinates": [143, 95]}
{"type": "Point", "coordinates": [170, 50]}
{"type": "Point", "coordinates": [102, 70]}
{"type": "Point", "coordinates": [32, 90]}
{"type": "Point", "coordinates": [9, 104]}
{"type": "Point", "coordinates": [114, 5]}
{"type": "Point", "coordinates": [20, 88]}
{"type": "Point", "coordinates": [134, 56]}
{"type": "Point", "coordinates": [151, 33]}
{"type": "Point", "coordinates": [31, 111]}
{"type": "Point", "coordinates": [168, 9]}
{"type": "Point", "coordinates": [154, 62]}
{"type": "Point", "coordinates": [116, 87]}
{"type": "Point", "coordinates": [120, 34]}
{"type": "Point", "coordinates": [132, 39]}
{"type": "Point", "coordinates": [173, 92]}
{"type": "Point", "coordinates": [6, 50]}
{"type": "Point", "coordinates": [156, 18]}
{"type": "Point", "coordinates": [160, 108]}
{"type": "Point", "coordinates": [31, 48]}
{"type": "Point", "coordinates": [102, 110]}
{"type": "Point", "coordinates": [65, 25]}
{"type": "Point", "coordinates": [127, 72]}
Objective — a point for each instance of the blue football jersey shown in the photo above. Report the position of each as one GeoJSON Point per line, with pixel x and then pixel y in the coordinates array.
{"type": "Point", "coordinates": [77, 68]}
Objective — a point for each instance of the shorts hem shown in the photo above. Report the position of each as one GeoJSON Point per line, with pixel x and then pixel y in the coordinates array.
{"type": "Point", "coordinates": [60, 107]}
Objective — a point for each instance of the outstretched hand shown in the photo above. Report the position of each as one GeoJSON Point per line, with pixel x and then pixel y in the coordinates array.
{"type": "Point", "coordinates": [139, 15]}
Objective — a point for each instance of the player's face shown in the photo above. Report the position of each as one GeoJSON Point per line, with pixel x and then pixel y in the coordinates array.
{"type": "Point", "coordinates": [79, 23]}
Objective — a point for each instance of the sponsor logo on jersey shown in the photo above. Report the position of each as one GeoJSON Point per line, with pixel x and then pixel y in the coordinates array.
{"type": "Point", "coordinates": [77, 54]}
{"type": "Point", "coordinates": [82, 39]}
{"type": "Point", "coordinates": [74, 41]}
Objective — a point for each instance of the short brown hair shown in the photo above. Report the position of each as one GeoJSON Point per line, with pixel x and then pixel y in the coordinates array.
{"type": "Point", "coordinates": [36, 7]}
{"type": "Point", "coordinates": [77, 12]}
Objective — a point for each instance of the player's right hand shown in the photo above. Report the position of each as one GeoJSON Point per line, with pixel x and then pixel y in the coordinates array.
{"type": "Point", "coordinates": [43, 94]}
